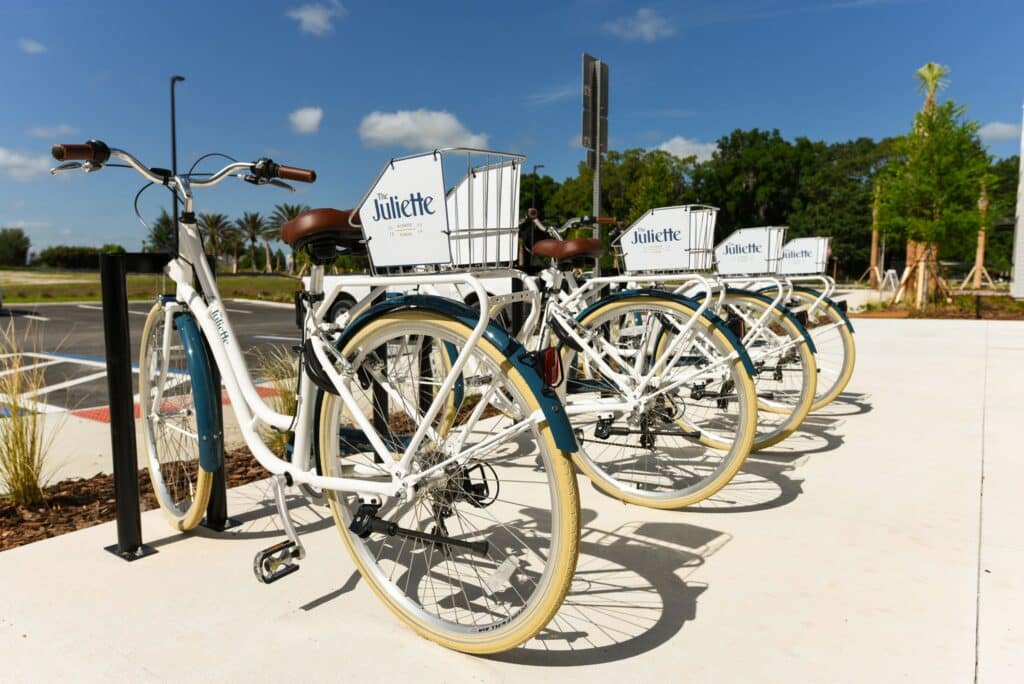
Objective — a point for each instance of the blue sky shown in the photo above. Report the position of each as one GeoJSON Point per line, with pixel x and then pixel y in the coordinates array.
{"type": "Point", "coordinates": [343, 86]}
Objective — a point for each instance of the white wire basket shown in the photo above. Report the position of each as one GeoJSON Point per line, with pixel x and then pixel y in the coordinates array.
{"type": "Point", "coordinates": [805, 256]}
{"type": "Point", "coordinates": [413, 221]}
{"type": "Point", "coordinates": [751, 251]}
{"type": "Point", "coordinates": [669, 240]}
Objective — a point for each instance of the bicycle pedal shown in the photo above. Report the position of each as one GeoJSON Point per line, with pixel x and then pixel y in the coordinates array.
{"type": "Point", "coordinates": [277, 561]}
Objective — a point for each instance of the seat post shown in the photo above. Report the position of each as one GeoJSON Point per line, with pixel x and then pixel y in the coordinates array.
{"type": "Point", "coordinates": [316, 279]}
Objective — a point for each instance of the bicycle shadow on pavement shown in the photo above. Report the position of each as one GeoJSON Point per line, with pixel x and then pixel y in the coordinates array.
{"type": "Point", "coordinates": [628, 596]}
{"type": "Point", "coordinates": [259, 519]}
{"type": "Point", "coordinates": [848, 404]}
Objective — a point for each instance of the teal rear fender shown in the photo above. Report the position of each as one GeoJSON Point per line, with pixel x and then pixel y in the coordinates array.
{"type": "Point", "coordinates": [781, 309]}
{"type": "Point", "coordinates": [205, 395]}
{"type": "Point", "coordinates": [553, 410]}
{"type": "Point", "coordinates": [692, 304]}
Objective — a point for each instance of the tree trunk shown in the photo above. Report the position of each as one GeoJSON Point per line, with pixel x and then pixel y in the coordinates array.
{"type": "Point", "coordinates": [875, 208]}
{"type": "Point", "coordinates": [269, 268]}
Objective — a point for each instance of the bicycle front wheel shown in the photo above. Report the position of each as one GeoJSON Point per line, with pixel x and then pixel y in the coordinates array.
{"type": "Point", "coordinates": [497, 529]}
{"type": "Point", "coordinates": [173, 375]}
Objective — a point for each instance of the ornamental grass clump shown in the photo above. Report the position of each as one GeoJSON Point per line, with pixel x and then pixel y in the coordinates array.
{"type": "Point", "coordinates": [23, 444]}
{"type": "Point", "coordinates": [279, 367]}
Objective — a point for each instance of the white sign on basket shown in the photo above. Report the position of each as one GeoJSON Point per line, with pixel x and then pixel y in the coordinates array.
{"type": "Point", "coordinates": [805, 256]}
{"type": "Point", "coordinates": [404, 216]}
{"type": "Point", "coordinates": [670, 239]}
{"type": "Point", "coordinates": [750, 251]}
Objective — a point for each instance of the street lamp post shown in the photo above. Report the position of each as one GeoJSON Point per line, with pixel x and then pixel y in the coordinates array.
{"type": "Point", "coordinates": [536, 182]}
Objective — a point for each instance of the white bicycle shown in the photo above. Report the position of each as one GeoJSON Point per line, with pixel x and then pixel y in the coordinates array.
{"type": "Point", "coordinates": [457, 502]}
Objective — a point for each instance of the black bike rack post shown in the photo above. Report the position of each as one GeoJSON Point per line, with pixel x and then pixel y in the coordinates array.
{"type": "Point", "coordinates": [113, 268]}
{"type": "Point", "coordinates": [117, 340]}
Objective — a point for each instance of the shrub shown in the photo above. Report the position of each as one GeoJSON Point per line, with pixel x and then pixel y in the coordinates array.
{"type": "Point", "coordinates": [74, 257]}
{"type": "Point", "coordinates": [23, 445]}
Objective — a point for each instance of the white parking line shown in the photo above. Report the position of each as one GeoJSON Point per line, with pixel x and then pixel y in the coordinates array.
{"type": "Point", "coordinates": [29, 367]}
{"type": "Point", "coordinates": [92, 307]}
{"type": "Point", "coordinates": [66, 384]}
{"type": "Point", "coordinates": [241, 311]}
{"type": "Point", "coordinates": [33, 317]}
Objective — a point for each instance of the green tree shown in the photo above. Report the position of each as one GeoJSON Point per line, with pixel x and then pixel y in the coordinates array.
{"type": "Point", "coordinates": [1002, 190]}
{"type": "Point", "coordinates": [14, 245]}
{"type": "Point", "coordinates": [251, 226]}
{"type": "Point", "coordinates": [834, 196]}
{"type": "Point", "coordinates": [930, 194]}
{"type": "Point", "coordinates": [535, 187]}
{"type": "Point", "coordinates": [215, 229]}
{"type": "Point", "coordinates": [161, 234]}
{"type": "Point", "coordinates": [282, 214]}
{"type": "Point", "coordinates": [752, 178]}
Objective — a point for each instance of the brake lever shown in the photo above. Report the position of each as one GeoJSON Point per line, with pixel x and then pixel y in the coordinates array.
{"type": "Point", "coordinates": [281, 184]}
{"type": "Point", "coordinates": [66, 166]}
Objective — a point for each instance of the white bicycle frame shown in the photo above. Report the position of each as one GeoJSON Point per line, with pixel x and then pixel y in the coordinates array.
{"type": "Point", "coordinates": [190, 265]}
{"type": "Point", "coordinates": [639, 385]}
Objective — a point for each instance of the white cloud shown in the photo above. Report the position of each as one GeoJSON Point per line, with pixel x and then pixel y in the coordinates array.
{"type": "Point", "coordinates": [318, 19]}
{"type": "Point", "coordinates": [306, 119]}
{"type": "Point", "coordinates": [646, 25]}
{"type": "Point", "coordinates": [997, 131]}
{"type": "Point", "coordinates": [54, 132]}
{"type": "Point", "coordinates": [553, 94]}
{"type": "Point", "coordinates": [32, 47]}
{"type": "Point", "coordinates": [417, 130]}
{"type": "Point", "coordinates": [20, 166]}
{"type": "Point", "coordinates": [686, 147]}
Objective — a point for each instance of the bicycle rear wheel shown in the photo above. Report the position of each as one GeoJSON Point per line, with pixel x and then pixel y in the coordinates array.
{"type": "Point", "coordinates": [836, 352]}
{"type": "Point", "coordinates": [786, 372]}
{"type": "Point", "coordinates": [515, 498]}
{"type": "Point", "coordinates": [684, 441]}
{"type": "Point", "coordinates": [178, 417]}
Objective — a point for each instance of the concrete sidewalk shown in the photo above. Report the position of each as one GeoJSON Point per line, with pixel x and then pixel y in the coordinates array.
{"type": "Point", "coordinates": [849, 554]}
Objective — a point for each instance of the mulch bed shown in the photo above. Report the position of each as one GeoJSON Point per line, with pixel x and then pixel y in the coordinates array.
{"type": "Point", "coordinates": [83, 502]}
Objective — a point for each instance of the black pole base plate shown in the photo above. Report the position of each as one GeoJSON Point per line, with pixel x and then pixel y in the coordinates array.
{"type": "Point", "coordinates": [226, 525]}
{"type": "Point", "coordinates": [131, 554]}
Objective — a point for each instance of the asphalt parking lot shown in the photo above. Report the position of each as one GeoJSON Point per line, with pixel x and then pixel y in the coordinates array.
{"type": "Point", "coordinates": [66, 341]}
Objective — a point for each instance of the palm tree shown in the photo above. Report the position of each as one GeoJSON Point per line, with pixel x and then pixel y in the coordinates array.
{"type": "Point", "coordinates": [251, 226]}
{"type": "Point", "coordinates": [283, 213]}
{"type": "Point", "coordinates": [215, 229]}
{"type": "Point", "coordinates": [231, 243]}
{"type": "Point", "coordinates": [924, 255]}
{"type": "Point", "coordinates": [932, 79]}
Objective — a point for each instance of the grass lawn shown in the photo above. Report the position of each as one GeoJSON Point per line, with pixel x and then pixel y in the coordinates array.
{"type": "Point", "coordinates": [24, 286]}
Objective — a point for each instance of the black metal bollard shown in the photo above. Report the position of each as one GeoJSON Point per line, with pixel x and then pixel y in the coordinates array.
{"type": "Point", "coordinates": [113, 268]}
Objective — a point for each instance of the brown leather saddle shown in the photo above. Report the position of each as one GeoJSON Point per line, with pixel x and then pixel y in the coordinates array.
{"type": "Point", "coordinates": [569, 250]}
{"type": "Point", "coordinates": [323, 231]}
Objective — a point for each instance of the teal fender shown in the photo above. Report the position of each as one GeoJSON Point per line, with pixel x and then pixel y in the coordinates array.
{"type": "Point", "coordinates": [205, 395]}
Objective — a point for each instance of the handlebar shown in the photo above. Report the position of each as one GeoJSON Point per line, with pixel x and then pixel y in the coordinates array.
{"type": "Point", "coordinates": [96, 153]}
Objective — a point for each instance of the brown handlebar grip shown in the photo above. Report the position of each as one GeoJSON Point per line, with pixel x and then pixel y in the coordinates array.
{"type": "Point", "coordinates": [62, 152]}
{"type": "Point", "coordinates": [293, 173]}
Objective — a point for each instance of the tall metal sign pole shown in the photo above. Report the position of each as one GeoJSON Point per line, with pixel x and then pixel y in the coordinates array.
{"type": "Point", "coordinates": [1017, 279]}
{"type": "Point", "coordinates": [594, 137]}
